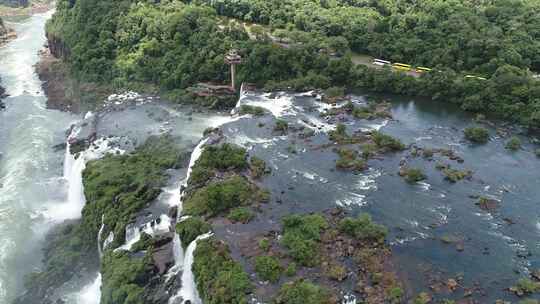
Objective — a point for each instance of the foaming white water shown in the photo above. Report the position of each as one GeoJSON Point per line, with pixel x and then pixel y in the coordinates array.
{"type": "Point", "coordinates": [178, 254]}
{"type": "Point", "coordinates": [73, 169]}
{"type": "Point", "coordinates": [155, 227]}
{"type": "Point", "coordinates": [91, 293]}
{"type": "Point", "coordinates": [188, 291]}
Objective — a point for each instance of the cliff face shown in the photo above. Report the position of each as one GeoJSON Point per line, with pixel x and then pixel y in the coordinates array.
{"type": "Point", "coordinates": [15, 3]}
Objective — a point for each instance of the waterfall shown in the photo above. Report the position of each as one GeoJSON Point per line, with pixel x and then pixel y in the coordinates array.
{"type": "Point", "coordinates": [91, 294]}
{"type": "Point", "coordinates": [188, 290]}
{"type": "Point", "coordinates": [100, 250]}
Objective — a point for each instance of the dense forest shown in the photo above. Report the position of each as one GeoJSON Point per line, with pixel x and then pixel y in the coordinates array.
{"type": "Point", "coordinates": [307, 44]}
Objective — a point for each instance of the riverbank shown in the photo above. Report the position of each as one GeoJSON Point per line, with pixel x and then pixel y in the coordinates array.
{"type": "Point", "coordinates": [64, 92]}
{"type": "Point", "coordinates": [36, 7]}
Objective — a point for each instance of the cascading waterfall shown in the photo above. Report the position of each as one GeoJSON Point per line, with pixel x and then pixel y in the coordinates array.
{"type": "Point", "coordinates": [184, 261]}
{"type": "Point", "coordinates": [188, 291]}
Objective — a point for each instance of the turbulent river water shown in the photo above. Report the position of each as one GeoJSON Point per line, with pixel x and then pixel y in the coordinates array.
{"type": "Point", "coordinates": [495, 248]}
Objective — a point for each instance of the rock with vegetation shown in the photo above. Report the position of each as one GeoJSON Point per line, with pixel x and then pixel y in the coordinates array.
{"type": "Point", "coordinates": [412, 175]}
{"type": "Point", "coordinates": [513, 144]}
{"type": "Point", "coordinates": [268, 268]}
{"type": "Point", "coordinates": [477, 135]}
{"type": "Point", "coordinates": [349, 160]}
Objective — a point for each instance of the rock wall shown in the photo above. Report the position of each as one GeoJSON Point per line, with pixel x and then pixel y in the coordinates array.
{"type": "Point", "coordinates": [57, 47]}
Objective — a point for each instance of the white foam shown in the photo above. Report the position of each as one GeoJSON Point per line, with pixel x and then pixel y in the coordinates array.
{"type": "Point", "coordinates": [91, 294]}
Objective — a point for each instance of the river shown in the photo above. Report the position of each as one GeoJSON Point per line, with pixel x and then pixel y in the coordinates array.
{"type": "Point", "coordinates": [31, 183]}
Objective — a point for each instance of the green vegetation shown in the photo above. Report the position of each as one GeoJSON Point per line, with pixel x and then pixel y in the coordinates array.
{"type": "Point", "coordinates": [395, 295]}
{"type": "Point", "coordinates": [240, 215]}
{"type": "Point", "coordinates": [281, 126]}
{"type": "Point", "coordinates": [527, 286]}
{"type": "Point", "coordinates": [387, 142]}
{"type": "Point", "coordinates": [340, 136]}
{"type": "Point", "coordinates": [412, 175]}
{"type": "Point", "coordinates": [264, 244]}
{"type": "Point", "coordinates": [189, 229]}
{"type": "Point", "coordinates": [513, 144]}
{"type": "Point", "coordinates": [225, 157]}
{"type": "Point", "coordinates": [124, 278]}
{"type": "Point", "coordinates": [454, 175]}
{"type": "Point", "coordinates": [300, 292]}
{"type": "Point", "coordinates": [116, 187]}
{"type": "Point", "coordinates": [301, 235]}
{"type": "Point", "coordinates": [258, 167]}
{"type": "Point", "coordinates": [268, 268]}
{"type": "Point", "coordinates": [348, 160]}
{"type": "Point", "coordinates": [221, 196]}
{"type": "Point", "coordinates": [291, 269]}
{"type": "Point", "coordinates": [219, 278]}
{"type": "Point", "coordinates": [174, 44]}
{"type": "Point", "coordinates": [363, 228]}
{"type": "Point", "coordinates": [335, 92]}
{"type": "Point", "coordinates": [253, 110]}
{"type": "Point", "coordinates": [477, 135]}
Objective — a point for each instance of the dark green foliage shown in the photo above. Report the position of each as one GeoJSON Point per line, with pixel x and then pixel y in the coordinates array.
{"type": "Point", "coordinates": [268, 268]}
{"type": "Point", "coordinates": [386, 142]}
{"type": "Point", "coordinates": [301, 292]}
{"type": "Point", "coordinates": [348, 160]}
{"type": "Point", "coordinates": [240, 215]}
{"type": "Point", "coordinates": [253, 110]}
{"type": "Point", "coordinates": [219, 278]}
{"type": "Point", "coordinates": [221, 196]}
{"type": "Point", "coordinates": [124, 278]}
{"type": "Point", "coordinates": [363, 228]}
{"type": "Point", "coordinates": [301, 235]}
{"type": "Point", "coordinates": [513, 144]}
{"type": "Point", "coordinates": [477, 134]}
{"type": "Point", "coordinates": [413, 175]}
{"type": "Point", "coordinates": [281, 126]}
{"type": "Point", "coordinates": [340, 136]}
{"type": "Point", "coordinates": [189, 229]}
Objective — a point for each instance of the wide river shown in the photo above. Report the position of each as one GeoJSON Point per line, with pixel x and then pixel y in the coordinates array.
{"type": "Point", "coordinates": [436, 230]}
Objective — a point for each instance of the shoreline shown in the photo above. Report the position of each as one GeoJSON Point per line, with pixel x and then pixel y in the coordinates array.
{"type": "Point", "coordinates": [34, 8]}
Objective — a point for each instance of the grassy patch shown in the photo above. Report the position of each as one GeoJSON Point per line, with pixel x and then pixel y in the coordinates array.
{"type": "Point", "coordinates": [281, 126]}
